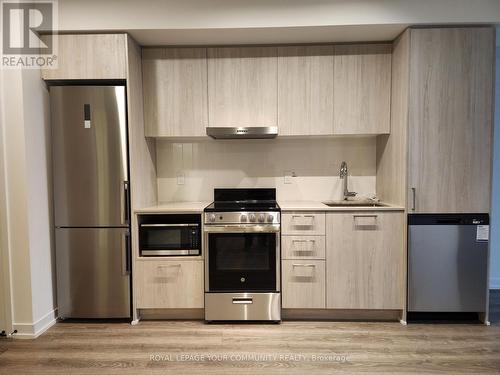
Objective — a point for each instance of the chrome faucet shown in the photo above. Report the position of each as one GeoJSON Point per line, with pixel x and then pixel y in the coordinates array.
{"type": "Point", "coordinates": [344, 174]}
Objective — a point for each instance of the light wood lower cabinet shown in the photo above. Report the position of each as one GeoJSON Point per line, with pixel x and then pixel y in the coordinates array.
{"type": "Point", "coordinates": [303, 247]}
{"type": "Point", "coordinates": [169, 284]}
{"type": "Point", "coordinates": [303, 223]}
{"type": "Point", "coordinates": [303, 284]}
{"type": "Point", "coordinates": [365, 260]}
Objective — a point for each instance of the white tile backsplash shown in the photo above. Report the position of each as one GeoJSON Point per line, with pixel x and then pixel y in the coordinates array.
{"type": "Point", "coordinates": [207, 164]}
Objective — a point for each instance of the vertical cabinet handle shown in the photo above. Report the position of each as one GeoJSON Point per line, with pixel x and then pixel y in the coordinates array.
{"type": "Point", "coordinates": [127, 256]}
{"type": "Point", "coordinates": [413, 200]}
{"type": "Point", "coordinates": [126, 205]}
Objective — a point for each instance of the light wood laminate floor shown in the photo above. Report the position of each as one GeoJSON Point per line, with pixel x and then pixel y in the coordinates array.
{"type": "Point", "coordinates": [348, 347]}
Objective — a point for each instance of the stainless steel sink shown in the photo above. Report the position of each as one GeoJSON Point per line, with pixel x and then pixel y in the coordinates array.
{"type": "Point", "coordinates": [348, 203]}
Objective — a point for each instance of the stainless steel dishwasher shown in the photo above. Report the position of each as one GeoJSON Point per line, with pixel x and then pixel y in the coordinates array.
{"type": "Point", "coordinates": [447, 262]}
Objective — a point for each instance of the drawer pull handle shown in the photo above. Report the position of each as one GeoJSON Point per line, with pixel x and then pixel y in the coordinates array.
{"type": "Point", "coordinates": [303, 241]}
{"type": "Point", "coordinates": [303, 265]}
{"type": "Point", "coordinates": [168, 266]}
{"type": "Point", "coordinates": [242, 301]}
{"type": "Point", "coordinates": [373, 216]}
{"type": "Point", "coordinates": [303, 220]}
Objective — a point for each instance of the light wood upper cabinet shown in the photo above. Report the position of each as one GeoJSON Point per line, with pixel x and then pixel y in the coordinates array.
{"type": "Point", "coordinates": [361, 89]}
{"type": "Point", "coordinates": [89, 56]}
{"type": "Point", "coordinates": [242, 86]}
{"type": "Point", "coordinates": [450, 119]}
{"type": "Point", "coordinates": [365, 260]}
{"type": "Point", "coordinates": [305, 90]}
{"type": "Point", "coordinates": [175, 91]}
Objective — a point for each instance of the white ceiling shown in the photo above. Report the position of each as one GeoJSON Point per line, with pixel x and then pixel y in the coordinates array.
{"type": "Point", "coordinates": [198, 22]}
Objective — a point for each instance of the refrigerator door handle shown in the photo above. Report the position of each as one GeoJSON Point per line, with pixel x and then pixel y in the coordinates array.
{"type": "Point", "coordinates": [126, 206]}
{"type": "Point", "coordinates": [126, 255]}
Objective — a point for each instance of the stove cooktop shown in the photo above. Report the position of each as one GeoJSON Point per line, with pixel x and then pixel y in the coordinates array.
{"type": "Point", "coordinates": [234, 200]}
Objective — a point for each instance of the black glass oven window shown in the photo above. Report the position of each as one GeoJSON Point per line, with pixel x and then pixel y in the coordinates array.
{"type": "Point", "coordinates": [242, 261]}
{"type": "Point", "coordinates": [236, 252]}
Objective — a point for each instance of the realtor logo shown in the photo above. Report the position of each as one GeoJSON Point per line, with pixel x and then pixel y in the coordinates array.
{"type": "Point", "coordinates": [23, 23]}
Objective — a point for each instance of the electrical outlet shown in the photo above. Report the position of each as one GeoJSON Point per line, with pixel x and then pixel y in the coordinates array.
{"type": "Point", "coordinates": [180, 178]}
{"type": "Point", "coordinates": [288, 176]}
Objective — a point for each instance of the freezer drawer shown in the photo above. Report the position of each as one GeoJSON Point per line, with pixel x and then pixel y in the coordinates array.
{"type": "Point", "coordinates": [93, 272]}
{"type": "Point", "coordinates": [447, 264]}
{"type": "Point", "coordinates": [89, 142]}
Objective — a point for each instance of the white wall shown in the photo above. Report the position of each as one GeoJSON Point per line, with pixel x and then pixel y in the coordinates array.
{"type": "Point", "coordinates": [28, 223]}
{"type": "Point", "coordinates": [173, 22]}
{"type": "Point", "coordinates": [5, 284]}
{"type": "Point", "coordinates": [200, 14]}
{"type": "Point", "coordinates": [495, 204]}
{"type": "Point", "coordinates": [38, 177]}
{"type": "Point", "coordinates": [262, 163]}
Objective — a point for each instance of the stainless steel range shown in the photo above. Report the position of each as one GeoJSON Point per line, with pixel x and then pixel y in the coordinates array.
{"type": "Point", "coordinates": [242, 258]}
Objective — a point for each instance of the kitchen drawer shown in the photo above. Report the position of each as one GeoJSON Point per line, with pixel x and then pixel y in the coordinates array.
{"type": "Point", "coordinates": [303, 284]}
{"type": "Point", "coordinates": [303, 247]}
{"type": "Point", "coordinates": [298, 223]}
{"type": "Point", "coordinates": [169, 284]}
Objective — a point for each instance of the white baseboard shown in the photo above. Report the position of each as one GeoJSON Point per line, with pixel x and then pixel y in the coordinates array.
{"type": "Point", "coordinates": [33, 330]}
{"type": "Point", "coordinates": [495, 283]}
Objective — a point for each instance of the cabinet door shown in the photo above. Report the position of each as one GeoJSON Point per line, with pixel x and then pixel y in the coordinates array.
{"type": "Point", "coordinates": [365, 260]}
{"type": "Point", "coordinates": [361, 89]}
{"type": "Point", "coordinates": [305, 90]}
{"type": "Point", "coordinates": [242, 86]}
{"type": "Point", "coordinates": [175, 91]}
{"type": "Point", "coordinates": [303, 284]}
{"type": "Point", "coordinates": [450, 119]}
{"type": "Point", "coordinates": [169, 284]}
{"type": "Point", "coordinates": [91, 56]}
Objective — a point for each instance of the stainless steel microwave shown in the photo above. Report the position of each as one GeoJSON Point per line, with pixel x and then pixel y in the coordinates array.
{"type": "Point", "coordinates": [170, 235]}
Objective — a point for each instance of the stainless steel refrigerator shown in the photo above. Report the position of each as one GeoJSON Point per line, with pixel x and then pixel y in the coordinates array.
{"type": "Point", "coordinates": [91, 201]}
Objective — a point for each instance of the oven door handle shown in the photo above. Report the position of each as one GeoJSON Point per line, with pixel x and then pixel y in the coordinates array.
{"type": "Point", "coordinates": [266, 228]}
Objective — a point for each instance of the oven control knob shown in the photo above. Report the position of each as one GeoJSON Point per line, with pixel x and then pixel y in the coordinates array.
{"type": "Point", "coordinates": [270, 218]}
{"type": "Point", "coordinates": [211, 218]}
{"type": "Point", "coordinates": [262, 217]}
{"type": "Point", "coordinates": [243, 218]}
{"type": "Point", "coordinates": [252, 217]}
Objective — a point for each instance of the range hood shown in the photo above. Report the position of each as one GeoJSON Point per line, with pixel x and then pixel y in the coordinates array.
{"type": "Point", "coordinates": [250, 132]}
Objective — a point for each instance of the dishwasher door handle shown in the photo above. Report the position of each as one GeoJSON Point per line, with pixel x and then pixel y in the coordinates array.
{"type": "Point", "coordinates": [414, 199]}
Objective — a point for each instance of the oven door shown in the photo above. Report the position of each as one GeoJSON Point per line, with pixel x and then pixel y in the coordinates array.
{"type": "Point", "coordinates": [242, 258]}
{"type": "Point", "coordinates": [169, 239]}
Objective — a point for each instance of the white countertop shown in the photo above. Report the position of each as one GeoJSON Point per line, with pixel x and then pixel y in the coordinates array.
{"type": "Point", "coordinates": [197, 207]}
{"type": "Point", "coordinates": [174, 207]}
{"type": "Point", "coordinates": [318, 206]}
